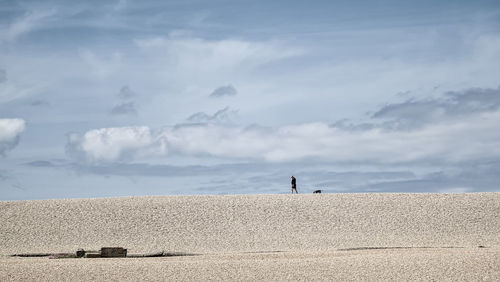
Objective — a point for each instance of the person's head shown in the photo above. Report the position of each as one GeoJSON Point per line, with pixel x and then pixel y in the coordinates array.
{"type": "Point", "coordinates": [293, 177]}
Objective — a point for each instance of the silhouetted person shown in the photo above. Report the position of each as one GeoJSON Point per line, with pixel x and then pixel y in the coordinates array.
{"type": "Point", "coordinates": [294, 185]}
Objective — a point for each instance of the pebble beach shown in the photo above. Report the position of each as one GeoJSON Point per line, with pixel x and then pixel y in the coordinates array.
{"type": "Point", "coordinates": [257, 237]}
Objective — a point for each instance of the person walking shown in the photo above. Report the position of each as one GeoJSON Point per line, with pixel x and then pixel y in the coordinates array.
{"type": "Point", "coordinates": [294, 185]}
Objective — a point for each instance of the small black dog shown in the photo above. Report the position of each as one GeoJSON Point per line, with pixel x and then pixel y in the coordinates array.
{"type": "Point", "coordinates": [317, 192]}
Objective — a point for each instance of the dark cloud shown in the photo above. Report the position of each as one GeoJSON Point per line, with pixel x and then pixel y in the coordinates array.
{"type": "Point", "coordinates": [404, 93]}
{"type": "Point", "coordinates": [247, 177]}
{"type": "Point", "coordinates": [39, 103]}
{"type": "Point", "coordinates": [346, 124]}
{"type": "Point", "coordinates": [222, 91]}
{"type": "Point", "coordinates": [351, 181]}
{"type": "Point", "coordinates": [256, 177]}
{"type": "Point", "coordinates": [452, 105]}
{"type": "Point", "coordinates": [128, 105]}
{"type": "Point", "coordinates": [126, 93]}
{"type": "Point", "coordinates": [468, 179]}
{"type": "Point", "coordinates": [126, 108]}
{"type": "Point", "coordinates": [40, 164]}
{"type": "Point", "coordinates": [223, 115]}
{"type": "Point", "coordinates": [473, 100]}
{"type": "Point", "coordinates": [3, 75]}
{"type": "Point", "coordinates": [252, 178]}
{"type": "Point", "coordinates": [409, 110]}
{"type": "Point", "coordinates": [274, 178]}
{"type": "Point", "coordinates": [415, 113]}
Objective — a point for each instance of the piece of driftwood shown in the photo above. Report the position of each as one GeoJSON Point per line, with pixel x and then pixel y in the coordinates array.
{"type": "Point", "coordinates": [35, 255]}
{"type": "Point", "coordinates": [177, 254]}
{"type": "Point", "coordinates": [160, 254]}
{"type": "Point", "coordinates": [92, 255]}
{"type": "Point", "coordinates": [50, 255]}
{"type": "Point", "coordinates": [105, 252]}
{"type": "Point", "coordinates": [62, 256]}
{"type": "Point", "coordinates": [147, 255]}
{"type": "Point", "coordinates": [113, 252]}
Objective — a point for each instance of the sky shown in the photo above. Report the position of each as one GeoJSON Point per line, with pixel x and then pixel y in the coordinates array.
{"type": "Point", "coordinates": [127, 98]}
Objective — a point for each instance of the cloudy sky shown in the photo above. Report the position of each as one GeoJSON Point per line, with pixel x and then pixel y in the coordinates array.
{"type": "Point", "coordinates": [122, 98]}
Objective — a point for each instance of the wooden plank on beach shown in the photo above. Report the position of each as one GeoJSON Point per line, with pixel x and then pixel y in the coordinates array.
{"type": "Point", "coordinates": [113, 252]}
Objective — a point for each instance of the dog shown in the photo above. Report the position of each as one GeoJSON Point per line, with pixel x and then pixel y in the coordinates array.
{"type": "Point", "coordinates": [317, 192]}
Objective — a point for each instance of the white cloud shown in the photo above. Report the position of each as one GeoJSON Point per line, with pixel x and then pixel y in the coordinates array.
{"type": "Point", "coordinates": [30, 21]}
{"type": "Point", "coordinates": [12, 90]}
{"type": "Point", "coordinates": [10, 129]}
{"type": "Point", "coordinates": [101, 67]}
{"type": "Point", "coordinates": [446, 142]}
{"type": "Point", "coordinates": [114, 144]}
{"type": "Point", "coordinates": [205, 56]}
{"type": "Point", "coordinates": [468, 139]}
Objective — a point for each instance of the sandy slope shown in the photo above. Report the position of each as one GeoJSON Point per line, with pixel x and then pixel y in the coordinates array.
{"type": "Point", "coordinates": [309, 232]}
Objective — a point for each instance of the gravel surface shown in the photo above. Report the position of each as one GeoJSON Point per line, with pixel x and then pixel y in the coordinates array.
{"type": "Point", "coordinates": [258, 237]}
{"type": "Point", "coordinates": [371, 265]}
